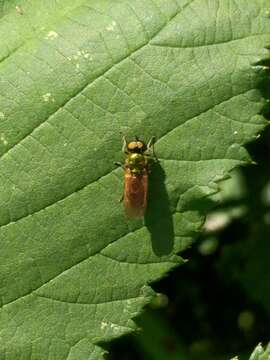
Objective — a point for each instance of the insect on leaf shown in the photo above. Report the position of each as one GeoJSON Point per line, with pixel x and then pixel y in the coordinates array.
{"type": "Point", "coordinates": [74, 271]}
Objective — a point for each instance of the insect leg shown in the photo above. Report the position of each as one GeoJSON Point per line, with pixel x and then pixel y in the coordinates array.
{"type": "Point", "coordinates": [151, 142]}
{"type": "Point", "coordinates": [124, 146]}
{"type": "Point", "coordinates": [117, 163]}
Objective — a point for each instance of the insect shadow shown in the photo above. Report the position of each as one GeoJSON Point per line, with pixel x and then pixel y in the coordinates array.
{"type": "Point", "coordinates": [158, 217]}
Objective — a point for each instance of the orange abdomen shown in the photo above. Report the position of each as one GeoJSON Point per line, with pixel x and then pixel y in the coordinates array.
{"type": "Point", "coordinates": [135, 193]}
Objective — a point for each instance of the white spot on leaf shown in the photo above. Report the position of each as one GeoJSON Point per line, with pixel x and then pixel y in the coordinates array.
{"type": "Point", "coordinates": [51, 35]}
{"type": "Point", "coordinates": [115, 328]}
{"type": "Point", "coordinates": [19, 9]}
{"type": "Point", "coordinates": [3, 139]}
{"type": "Point", "coordinates": [2, 115]}
{"type": "Point", "coordinates": [48, 97]}
{"type": "Point", "coordinates": [112, 26]}
{"type": "Point", "coordinates": [104, 324]}
{"type": "Point", "coordinates": [86, 55]}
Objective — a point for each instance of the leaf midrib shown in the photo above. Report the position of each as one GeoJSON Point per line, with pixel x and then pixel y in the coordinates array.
{"type": "Point", "coordinates": [112, 170]}
{"type": "Point", "coordinates": [100, 75]}
{"type": "Point", "coordinates": [107, 70]}
{"type": "Point", "coordinates": [98, 252]}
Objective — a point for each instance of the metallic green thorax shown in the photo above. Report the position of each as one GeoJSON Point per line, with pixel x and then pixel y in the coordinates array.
{"type": "Point", "coordinates": [136, 162]}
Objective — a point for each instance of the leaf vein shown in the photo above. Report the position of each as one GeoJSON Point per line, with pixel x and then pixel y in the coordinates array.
{"type": "Point", "coordinates": [136, 263]}
{"type": "Point", "coordinates": [85, 86]}
{"type": "Point", "coordinates": [207, 45]}
{"type": "Point", "coordinates": [113, 170]}
{"type": "Point", "coordinates": [87, 304]}
{"type": "Point", "coordinates": [68, 269]}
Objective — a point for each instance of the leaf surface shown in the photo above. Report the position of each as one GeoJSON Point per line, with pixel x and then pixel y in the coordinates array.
{"type": "Point", "coordinates": [73, 76]}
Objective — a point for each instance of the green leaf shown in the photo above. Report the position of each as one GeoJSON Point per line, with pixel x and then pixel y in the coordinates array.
{"type": "Point", "coordinates": [259, 353]}
{"type": "Point", "coordinates": [73, 76]}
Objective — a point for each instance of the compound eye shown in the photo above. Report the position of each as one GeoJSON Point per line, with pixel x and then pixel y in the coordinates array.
{"type": "Point", "coordinates": [132, 145]}
{"type": "Point", "coordinates": [141, 146]}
